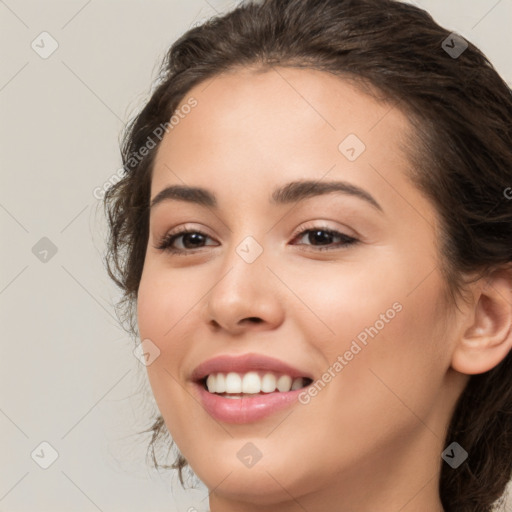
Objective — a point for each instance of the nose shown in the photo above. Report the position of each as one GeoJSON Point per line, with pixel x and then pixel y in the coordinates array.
{"type": "Point", "coordinates": [246, 296]}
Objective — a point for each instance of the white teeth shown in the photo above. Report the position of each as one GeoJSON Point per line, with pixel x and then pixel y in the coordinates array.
{"type": "Point", "coordinates": [251, 383]}
{"type": "Point", "coordinates": [233, 383]}
{"type": "Point", "coordinates": [297, 383]}
{"type": "Point", "coordinates": [268, 383]}
{"type": "Point", "coordinates": [220, 383]}
{"type": "Point", "coordinates": [210, 383]}
{"type": "Point", "coordinates": [284, 383]}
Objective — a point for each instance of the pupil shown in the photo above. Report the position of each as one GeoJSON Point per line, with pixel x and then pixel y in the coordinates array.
{"type": "Point", "coordinates": [195, 238]}
{"type": "Point", "coordinates": [319, 236]}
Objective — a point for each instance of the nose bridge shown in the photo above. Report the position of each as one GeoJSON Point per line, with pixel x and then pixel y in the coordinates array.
{"type": "Point", "coordinates": [244, 270]}
{"type": "Point", "coordinates": [246, 254]}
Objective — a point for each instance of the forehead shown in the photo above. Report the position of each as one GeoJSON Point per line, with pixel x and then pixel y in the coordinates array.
{"type": "Point", "coordinates": [279, 124]}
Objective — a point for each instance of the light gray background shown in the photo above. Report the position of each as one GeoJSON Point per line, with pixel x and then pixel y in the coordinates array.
{"type": "Point", "coordinates": [67, 374]}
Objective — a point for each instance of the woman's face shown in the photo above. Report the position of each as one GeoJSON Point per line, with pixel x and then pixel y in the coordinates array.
{"type": "Point", "coordinates": [341, 286]}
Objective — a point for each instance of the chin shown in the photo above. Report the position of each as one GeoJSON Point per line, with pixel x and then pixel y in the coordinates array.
{"type": "Point", "coordinates": [256, 488]}
{"type": "Point", "coordinates": [265, 483]}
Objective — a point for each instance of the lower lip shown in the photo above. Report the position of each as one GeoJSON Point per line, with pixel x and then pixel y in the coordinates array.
{"type": "Point", "coordinates": [246, 410]}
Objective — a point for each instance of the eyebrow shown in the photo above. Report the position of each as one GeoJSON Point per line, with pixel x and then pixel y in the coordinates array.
{"type": "Point", "coordinates": [292, 192]}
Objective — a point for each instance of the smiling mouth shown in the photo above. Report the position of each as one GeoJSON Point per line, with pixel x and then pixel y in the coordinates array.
{"type": "Point", "coordinates": [252, 383]}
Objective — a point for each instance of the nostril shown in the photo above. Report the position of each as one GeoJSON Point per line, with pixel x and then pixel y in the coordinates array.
{"type": "Point", "coordinates": [255, 319]}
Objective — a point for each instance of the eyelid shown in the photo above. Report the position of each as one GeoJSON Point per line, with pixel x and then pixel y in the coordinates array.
{"type": "Point", "coordinates": [323, 225]}
{"type": "Point", "coordinates": [187, 227]}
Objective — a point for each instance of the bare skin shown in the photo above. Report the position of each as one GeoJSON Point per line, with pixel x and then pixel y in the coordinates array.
{"type": "Point", "coordinates": [372, 438]}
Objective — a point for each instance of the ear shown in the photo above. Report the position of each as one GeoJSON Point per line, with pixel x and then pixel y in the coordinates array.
{"type": "Point", "coordinates": [486, 337]}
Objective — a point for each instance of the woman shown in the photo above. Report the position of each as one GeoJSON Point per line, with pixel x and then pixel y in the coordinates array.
{"type": "Point", "coordinates": [314, 240]}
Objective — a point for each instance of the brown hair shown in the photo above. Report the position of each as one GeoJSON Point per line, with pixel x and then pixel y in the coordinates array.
{"type": "Point", "coordinates": [460, 151]}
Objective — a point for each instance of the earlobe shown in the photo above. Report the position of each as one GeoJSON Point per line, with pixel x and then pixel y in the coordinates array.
{"type": "Point", "coordinates": [486, 338]}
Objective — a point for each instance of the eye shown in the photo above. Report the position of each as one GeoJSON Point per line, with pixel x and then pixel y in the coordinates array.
{"type": "Point", "coordinates": [189, 239]}
{"type": "Point", "coordinates": [184, 242]}
{"type": "Point", "coordinates": [322, 238]}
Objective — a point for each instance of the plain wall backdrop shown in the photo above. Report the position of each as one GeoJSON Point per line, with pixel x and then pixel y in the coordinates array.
{"type": "Point", "coordinates": [68, 376]}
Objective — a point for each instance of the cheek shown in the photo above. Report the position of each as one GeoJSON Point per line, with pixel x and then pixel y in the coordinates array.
{"type": "Point", "coordinates": [345, 300]}
{"type": "Point", "coordinates": [165, 298]}
{"type": "Point", "coordinates": [385, 383]}
{"type": "Point", "coordinates": [153, 298]}
{"type": "Point", "coordinates": [165, 307]}
{"type": "Point", "coordinates": [387, 331]}
{"type": "Point", "coordinates": [394, 353]}
{"type": "Point", "coordinates": [413, 354]}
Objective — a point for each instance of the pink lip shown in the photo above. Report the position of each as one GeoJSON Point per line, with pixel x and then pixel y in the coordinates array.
{"type": "Point", "coordinates": [249, 408]}
{"type": "Point", "coordinates": [245, 363]}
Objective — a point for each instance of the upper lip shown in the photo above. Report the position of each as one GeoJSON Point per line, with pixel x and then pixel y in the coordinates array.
{"type": "Point", "coordinates": [245, 363]}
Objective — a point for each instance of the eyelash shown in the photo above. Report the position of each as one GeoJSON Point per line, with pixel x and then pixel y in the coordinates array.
{"type": "Point", "coordinates": [165, 244]}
